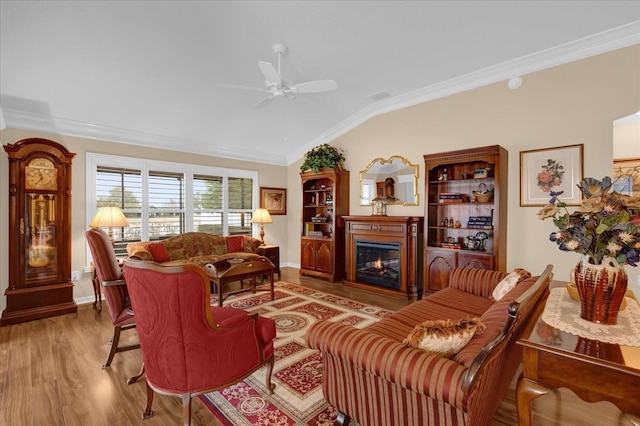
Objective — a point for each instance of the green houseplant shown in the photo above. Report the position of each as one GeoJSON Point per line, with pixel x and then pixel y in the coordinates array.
{"type": "Point", "coordinates": [323, 156]}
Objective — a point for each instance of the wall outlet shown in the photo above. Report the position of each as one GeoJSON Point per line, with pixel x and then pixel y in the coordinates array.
{"type": "Point", "coordinates": [75, 275]}
{"type": "Point", "coordinates": [638, 279]}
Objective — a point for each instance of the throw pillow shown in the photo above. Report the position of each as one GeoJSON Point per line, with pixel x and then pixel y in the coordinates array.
{"type": "Point", "coordinates": [510, 281]}
{"type": "Point", "coordinates": [444, 337]}
{"type": "Point", "coordinates": [235, 244]}
{"type": "Point", "coordinates": [159, 252]}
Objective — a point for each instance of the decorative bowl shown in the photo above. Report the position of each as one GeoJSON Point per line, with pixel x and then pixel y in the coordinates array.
{"type": "Point", "coordinates": [573, 291]}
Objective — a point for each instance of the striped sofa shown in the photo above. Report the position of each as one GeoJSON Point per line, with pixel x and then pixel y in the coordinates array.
{"type": "Point", "coordinates": [372, 377]}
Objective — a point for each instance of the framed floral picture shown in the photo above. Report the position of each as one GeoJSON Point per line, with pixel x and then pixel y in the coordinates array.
{"type": "Point", "coordinates": [551, 171]}
{"type": "Point", "coordinates": [274, 200]}
{"type": "Point", "coordinates": [626, 176]}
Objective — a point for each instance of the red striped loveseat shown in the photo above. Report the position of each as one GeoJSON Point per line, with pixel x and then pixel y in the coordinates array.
{"type": "Point", "coordinates": [372, 377]}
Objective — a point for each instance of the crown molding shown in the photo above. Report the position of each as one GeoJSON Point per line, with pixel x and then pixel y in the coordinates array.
{"type": "Point", "coordinates": [43, 123]}
{"type": "Point", "coordinates": [617, 38]}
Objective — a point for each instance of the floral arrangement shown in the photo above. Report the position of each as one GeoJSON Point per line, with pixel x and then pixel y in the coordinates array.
{"type": "Point", "coordinates": [607, 223]}
{"type": "Point", "coordinates": [551, 175]}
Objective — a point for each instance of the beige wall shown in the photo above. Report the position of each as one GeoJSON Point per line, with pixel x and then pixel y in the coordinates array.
{"type": "Point", "coordinates": [570, 104]}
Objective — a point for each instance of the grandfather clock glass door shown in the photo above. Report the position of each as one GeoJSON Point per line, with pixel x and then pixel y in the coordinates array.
{"type": "Point", "coordinates": [40, 223]}
{"type": "Point", "coordinates": [40, 251]}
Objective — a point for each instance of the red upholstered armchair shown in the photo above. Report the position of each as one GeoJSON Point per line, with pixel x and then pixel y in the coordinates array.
{"type": "Point", "coordinates": [188, 346]}
{"type": "Point", "coordinates": [115, 289]}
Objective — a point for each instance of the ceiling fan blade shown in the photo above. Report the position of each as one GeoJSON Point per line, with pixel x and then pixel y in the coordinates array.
{"type": "Point", "coordinates": [266, 101]}
{"type": "Point", "coordinates": [270, 73]}
{"type": "Point", "coordinates": [314, 86]}
{"type": "Point", "coordinates": [236, 86]}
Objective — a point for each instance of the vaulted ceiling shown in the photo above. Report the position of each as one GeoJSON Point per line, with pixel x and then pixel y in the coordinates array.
{"type": "Point", "coordinates": [149, 72]}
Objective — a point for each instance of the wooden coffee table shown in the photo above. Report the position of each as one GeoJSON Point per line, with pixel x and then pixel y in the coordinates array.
{"type": "Point", "coordinates": [225, 271]}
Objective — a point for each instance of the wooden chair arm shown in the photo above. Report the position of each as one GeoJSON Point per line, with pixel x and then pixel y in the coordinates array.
{"type": "Point", "coordinates": [113, 283]}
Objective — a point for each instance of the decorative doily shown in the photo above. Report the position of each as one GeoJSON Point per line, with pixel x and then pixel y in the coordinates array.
{"type": "Point", "coordinates": [563, 313]}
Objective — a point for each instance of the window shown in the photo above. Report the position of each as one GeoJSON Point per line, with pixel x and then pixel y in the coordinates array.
{"type": "Point", "coordinates": [208, 213]}
{"type": "Point", "coordinates": [161, 199]}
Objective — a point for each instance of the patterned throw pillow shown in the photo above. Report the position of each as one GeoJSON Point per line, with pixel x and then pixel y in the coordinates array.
{"type": "Point", "coordinates": [235, 244]}
{"type": "Point", "coordinates": [444, 337]}
{"type": "Point", "coordinates": [159, 252]}
{"type": "Point", "coordinates": [509, 282]}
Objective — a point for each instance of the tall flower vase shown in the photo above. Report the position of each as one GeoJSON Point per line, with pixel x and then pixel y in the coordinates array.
{"type": "Point", "coordinates": [601, 288]}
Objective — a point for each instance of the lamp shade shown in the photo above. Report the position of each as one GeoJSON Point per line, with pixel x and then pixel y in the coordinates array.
{"type": "Point", "coordinates": [109, 217]}
{"type": "Point", "coordinates": [261, 216]}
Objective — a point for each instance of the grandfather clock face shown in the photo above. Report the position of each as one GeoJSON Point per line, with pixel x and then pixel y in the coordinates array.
{"type": "Point", "coordinates": [41, 174]}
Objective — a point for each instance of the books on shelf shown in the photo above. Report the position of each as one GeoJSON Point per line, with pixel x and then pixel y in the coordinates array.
{"type": "Point", "coordinates": [315, 234]}
{"type": "Point", "coordinates": [455, 246]}
{"type": "Point", "coordinates": [452, 197]}
{"type": "Point", "coordinates": [480, 222]}
{"type": "Point", "coordinates": [308, 227]}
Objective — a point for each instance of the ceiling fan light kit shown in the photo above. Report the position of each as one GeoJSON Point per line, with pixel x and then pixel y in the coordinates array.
{"type": "Point", "coordinates": [277, 86]}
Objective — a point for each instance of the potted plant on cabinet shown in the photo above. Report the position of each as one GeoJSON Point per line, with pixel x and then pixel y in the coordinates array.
{"type": "Point", "coordinates": [323, 156]}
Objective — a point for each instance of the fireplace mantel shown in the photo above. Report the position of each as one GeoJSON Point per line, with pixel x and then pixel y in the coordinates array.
{"type": "Point", "coordinates": [403, 230]}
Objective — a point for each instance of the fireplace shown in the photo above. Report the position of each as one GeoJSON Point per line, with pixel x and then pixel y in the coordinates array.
{"type": "Point", "coordinates": [378, 263]}
{"type": "Point", "coordinates": [384, 254]}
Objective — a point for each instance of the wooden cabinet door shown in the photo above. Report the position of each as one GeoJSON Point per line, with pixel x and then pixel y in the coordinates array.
{"type": "Point", "coordinates": [440, 263]}
{"type": "Point", "coordinates": [308, 254]}
{"type": "Point", "coordinates": [476, 260]}
{"type": "Point", "coordinates": [324, 257]}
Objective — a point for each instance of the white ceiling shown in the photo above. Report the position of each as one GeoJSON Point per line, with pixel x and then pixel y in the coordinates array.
{"type": "Point", "coordinates": [146, 72]}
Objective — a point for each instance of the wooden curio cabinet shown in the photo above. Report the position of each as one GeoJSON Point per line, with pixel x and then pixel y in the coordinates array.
{"type": "Point", "coordinates": [40, 241]}
{"type": "Point", "coordinates": [465, 212]}
{"type": "Point", "coordinates": [325, 199]}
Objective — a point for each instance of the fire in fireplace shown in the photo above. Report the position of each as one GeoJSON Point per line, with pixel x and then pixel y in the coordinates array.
{"type": "Point", "coordinates": [378, 263]}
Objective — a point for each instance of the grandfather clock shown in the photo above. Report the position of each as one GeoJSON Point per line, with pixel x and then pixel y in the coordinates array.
{"type": "Point", "coordinates": [40, 231]}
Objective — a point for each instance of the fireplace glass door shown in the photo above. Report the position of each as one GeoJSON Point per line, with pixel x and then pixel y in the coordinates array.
{"type": "Point", "coordinates": [378, 263]}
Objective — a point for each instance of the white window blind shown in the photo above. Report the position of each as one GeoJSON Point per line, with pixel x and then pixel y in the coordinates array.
{"type": "Point", "coordinates": [207, 204]}
{"type": "Point", "coordinates": [240, 203]}
{"type": "Point", "coordinates": [166, 215]}
{"type": "Point", "coordinates": [122, 188]}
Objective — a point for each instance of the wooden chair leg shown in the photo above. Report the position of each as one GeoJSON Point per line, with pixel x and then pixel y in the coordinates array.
{"type": "Point", "coordinates": [186, 409]}
{"type": "Point", "coordinates": [114, 346]}
{"type": "Point", "coordinates": [147, 410]}
{"type": "Point", "coordinates": [342, 419]}
{"type": "Point", "coordinates": [270, 386]}
{"type": "Point", "coordinates": [134, 379]}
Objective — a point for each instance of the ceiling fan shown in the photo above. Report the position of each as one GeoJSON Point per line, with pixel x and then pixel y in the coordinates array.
{"type": "Point", "coordinates": [276, 86]}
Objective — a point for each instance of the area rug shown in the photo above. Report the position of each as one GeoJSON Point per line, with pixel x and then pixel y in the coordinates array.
{"type": "Point", "coordinates": [297, 399]}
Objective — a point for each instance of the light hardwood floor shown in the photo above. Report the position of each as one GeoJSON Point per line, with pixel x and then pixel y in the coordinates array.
{"type": "Point", "coordinates": [50, 374]}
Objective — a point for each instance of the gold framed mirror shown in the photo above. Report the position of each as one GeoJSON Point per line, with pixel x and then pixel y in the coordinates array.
{"type": "Point", "coordinates": [394, 179]}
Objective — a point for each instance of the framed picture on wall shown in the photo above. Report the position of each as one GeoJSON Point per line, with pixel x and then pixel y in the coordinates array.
{"type": "Point", "coordinates": [626, 176]}
{"type": "Point", "coordinates": [274, 200]}
{"type": "Point", "coordinates": [547, 170]}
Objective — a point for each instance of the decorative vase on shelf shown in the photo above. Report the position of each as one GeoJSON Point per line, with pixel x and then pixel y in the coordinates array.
{"type": "Point", "coordinates": [601, 288]}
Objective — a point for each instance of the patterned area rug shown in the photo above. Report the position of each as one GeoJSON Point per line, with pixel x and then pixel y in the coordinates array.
{"type": "Point", "coordinates": [297, 399]}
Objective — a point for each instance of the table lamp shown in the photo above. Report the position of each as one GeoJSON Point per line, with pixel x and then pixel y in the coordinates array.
{"type": "Point", "coordinates": [261, 216]}
{"type": "Point", "coordinates": [109, 217]}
